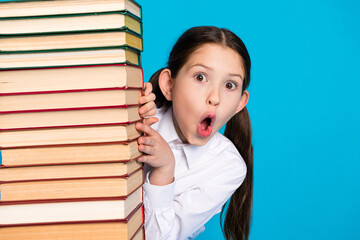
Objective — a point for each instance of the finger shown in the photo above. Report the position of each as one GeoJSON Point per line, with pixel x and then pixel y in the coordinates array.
{"type": "Point", "coordinates": [148, 98]}
{"type": "Point", "coordinates": [151, 113]}
{"type": "Point", "coordinates": [147, 88]}
{"type": "Point", "coordinates": [145, 129]}
{"type": "Point", "coordinates": [148, 141]}
{"type": "Point", "coordinates": [150, 121]}
{"type": "Point", "coordinates": [150, 106]}
{"type": "Point", "coordinates": [147, 149]}
{"type": "Point", "coordinates": [145, 159]}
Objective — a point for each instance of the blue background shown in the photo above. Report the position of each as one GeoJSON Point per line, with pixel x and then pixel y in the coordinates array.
{"type": "Point", "coordinates": [303, 106]}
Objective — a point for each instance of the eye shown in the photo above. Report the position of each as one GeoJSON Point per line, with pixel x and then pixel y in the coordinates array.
{"type": "Point", "coordinates": [230, 85]}
{"type": "Point", "coordinates": [200, 77]}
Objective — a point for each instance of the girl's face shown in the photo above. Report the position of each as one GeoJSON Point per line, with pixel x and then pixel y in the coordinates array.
{"type": "Point", "coordinates": [207, 92]}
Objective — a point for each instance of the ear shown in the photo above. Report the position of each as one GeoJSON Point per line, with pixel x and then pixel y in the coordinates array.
{"type": "Point", "coordinates": [243, 101]}
{"type": "Point", "coordinates": [166, 83]}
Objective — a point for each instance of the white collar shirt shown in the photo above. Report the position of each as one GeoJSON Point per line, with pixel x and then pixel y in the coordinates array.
{"type": "Point", "coordinates": [205, 178]}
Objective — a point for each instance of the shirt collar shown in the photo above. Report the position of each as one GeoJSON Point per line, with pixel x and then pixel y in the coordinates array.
{"type": "Point", "coordinates": [166, 127]}
{"type": "Point", "coordinates": [167, 130]}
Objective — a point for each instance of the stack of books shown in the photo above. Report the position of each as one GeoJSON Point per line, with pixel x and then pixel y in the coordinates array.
{"type": "Point", "coordinates": [70, 80]}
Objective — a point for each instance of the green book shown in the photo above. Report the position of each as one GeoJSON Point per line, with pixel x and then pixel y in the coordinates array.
{"type": "Point", "coordinates": [78, 57]}
{"type": "Point", "coordinates": [71, 40]}
{"type": "Point", "coordinates": [28, 25]}
{"type": "Point", "coordinates": [21, 8]}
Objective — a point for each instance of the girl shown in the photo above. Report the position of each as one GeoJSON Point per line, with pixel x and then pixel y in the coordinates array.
{"type": "Point", "coordinates": [192, 170]}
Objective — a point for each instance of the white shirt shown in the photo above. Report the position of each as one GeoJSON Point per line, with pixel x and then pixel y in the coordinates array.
{"type": "Point", "coordinates": [205, 178]}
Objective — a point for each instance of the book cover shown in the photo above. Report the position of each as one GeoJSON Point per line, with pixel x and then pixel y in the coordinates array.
{"type": "Point", "coordinates": [70, 23]}
{"type": "Point", "coordinates": [55, 41]}
{"type": "Point", "coordinates": [68, 171]}
{"type": "Point", "coordinates": [69, 210]}
{"type": "Point", "coordinates": [76, 188]}
{"type": "Point", "coordinates": [130, 228]}
{"type": "Point", "coordinates": [70, 57]}
{"type": "Point", "coordinates": [69, 154]}
{"type": "Point", "coordinates": [83, 98]}
{"type": "Point", "coordinates": [70, 78]}
{"type": "Point", "coordinates": [17, 8]}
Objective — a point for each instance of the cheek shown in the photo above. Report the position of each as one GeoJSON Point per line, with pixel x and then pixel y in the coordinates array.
{"type": "Point", "coordinates": [229, 109]}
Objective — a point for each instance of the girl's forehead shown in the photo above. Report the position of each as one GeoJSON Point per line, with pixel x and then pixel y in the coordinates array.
{"type": "Point", "coordinates": [213, 55]}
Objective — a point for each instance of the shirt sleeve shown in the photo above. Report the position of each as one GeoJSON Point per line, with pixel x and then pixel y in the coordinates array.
{"type": "Point", "coordinates": [183, 216]}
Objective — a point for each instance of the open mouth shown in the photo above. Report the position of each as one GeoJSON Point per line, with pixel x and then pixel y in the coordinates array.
{"type": "Point", "coordinates": [205, 125]}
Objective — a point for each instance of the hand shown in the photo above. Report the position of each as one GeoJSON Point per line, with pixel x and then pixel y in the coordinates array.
{"type": "Point", "coordinates": [148, 108]}
{"type": "Point", "coordinates": [158, 155]}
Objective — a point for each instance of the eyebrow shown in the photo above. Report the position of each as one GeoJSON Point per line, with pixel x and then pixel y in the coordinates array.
{"type": "Point", "coordinates": [211, 69]}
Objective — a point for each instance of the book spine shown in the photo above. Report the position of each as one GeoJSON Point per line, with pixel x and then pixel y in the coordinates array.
{"type": "Point", "coordinates": [41, 34]}
{"type": "Point", "coordinates": [125, 220]}
{"type": "Point", "coordinates": [92, 199]}
{"type": "Point", "coordinates": [69, 109]}
{"type": "Point", "coordinates": [125, 176]}
{"type": "Point", "coordinates": [72, 66]}
{"type": "Point", "coordinates": [122, 12]}
{"type": "Point", "coordinates": [72, 90]}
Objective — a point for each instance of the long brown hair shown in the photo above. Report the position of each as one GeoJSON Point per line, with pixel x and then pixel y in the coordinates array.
{"type": "Point", "coordinates": [238, 129]}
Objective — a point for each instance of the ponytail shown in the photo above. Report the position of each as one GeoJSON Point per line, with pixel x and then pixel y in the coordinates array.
{"type": "Point", "coordinates": [238, 215]}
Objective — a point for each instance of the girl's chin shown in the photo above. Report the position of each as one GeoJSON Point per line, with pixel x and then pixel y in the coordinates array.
{"type": "Point", "coordinates": [198, 140]}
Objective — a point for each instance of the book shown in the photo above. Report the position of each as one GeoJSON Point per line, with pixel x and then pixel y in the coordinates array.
{"type": "Point", "coordinates": [69, 99]}
{"type": "Point", "coordinates": [69, 58]}
{"type": "Point", "coordinates": [68, 154]}
{"type": "Point", "coordinates": [71, 171]}
{"type": "Point", "coordinates": [69, 117]}
{"type": "Point", "coordinates": [69, 135]}
{"type": "Point", "coordinates": [16, 8]}
{"type": "Point", "coordinates": [53, 79]}
{"type": "Point", "coordinates": [103, 39]}
{"type": "Point", "coordinates": [127, 229]}
{"type": "Point", "coordinates": [70, 23]}
{"type": "Point", "coordinates": [97, 209]}
{"type": "Point", "coordinates": [71, 189]}
{"type": "Point", "coordinates": [139, 235]}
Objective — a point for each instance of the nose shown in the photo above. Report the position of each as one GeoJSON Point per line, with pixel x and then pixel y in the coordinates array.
{"type": "Point", "coordinates": [214, 96]}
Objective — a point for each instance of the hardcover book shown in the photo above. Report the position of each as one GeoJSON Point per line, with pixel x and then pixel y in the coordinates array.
{"type": "Point", "coordinates": [69, 58]}
{"type": "Point", "coordinates": [69, 99]}
{"type": "Point", "coordinates": [68, 154]}
{"type": "Point", "coordinates": [69, 171]}
{"type": "Point", "coordinates": [73, 78]}
{"type": "Point", "coordinates": [19, 8]}
{"type": "Point", "coordinates": [73, 189]}
{"type": "Point", "coordinates": [45, 42]}
{"type": "Point", "coordinates": [73, 117]}
{"type": "Point", "coordinates": [129, 228]}
{"type": "Point", "coordinates": [96, 209]}
{"type": "Point", "coordinates": [70, 23]}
